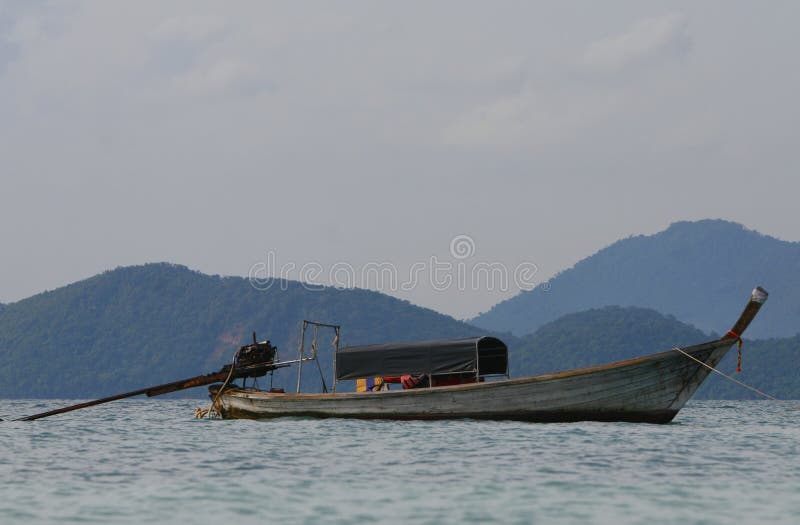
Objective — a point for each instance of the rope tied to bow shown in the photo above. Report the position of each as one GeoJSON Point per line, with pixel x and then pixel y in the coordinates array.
{"type": "Point", "coordinates": [763, 394]}
{"type": "Point", "coordinates": [739, 354]}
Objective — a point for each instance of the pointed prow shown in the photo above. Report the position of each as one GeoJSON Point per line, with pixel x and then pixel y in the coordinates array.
{"type": "Point", "coordinates": [757, 299]}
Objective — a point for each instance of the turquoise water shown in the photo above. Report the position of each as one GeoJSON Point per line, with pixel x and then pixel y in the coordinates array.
{"type": "Point", "coordinates": [150, 461]}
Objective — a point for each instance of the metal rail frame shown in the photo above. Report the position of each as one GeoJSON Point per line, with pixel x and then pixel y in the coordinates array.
{"type": "Point", "coordinates": [300, 351]}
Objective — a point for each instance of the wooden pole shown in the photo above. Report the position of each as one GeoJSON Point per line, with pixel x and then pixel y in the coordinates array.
{"type": "Point", "coordinates": [149, 391]}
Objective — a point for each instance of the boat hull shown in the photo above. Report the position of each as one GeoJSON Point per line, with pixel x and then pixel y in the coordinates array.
{"type": "Point", "coordinates": [649, 389]}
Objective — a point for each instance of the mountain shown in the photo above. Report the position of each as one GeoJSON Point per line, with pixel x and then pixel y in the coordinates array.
{"type": "Point", "coordinates": [143, 325]}
{"type": "Point", "coordinates": [599, 336]}
{"type": "Point", "coordinates": [770, 365]}
{"type": "Point", "coordinates": [700, 272]}
{"type": "Point", "coordinates": [614, 333]}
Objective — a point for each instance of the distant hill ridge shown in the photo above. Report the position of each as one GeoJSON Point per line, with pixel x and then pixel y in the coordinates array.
{"type": "Point", "coordinates": [601, 335]}
{"type": "Point", "coordinates": [700, 272]}
{"type": "Point", "coordinates": [614, 333]}
{"type": "Point", "coordinates": [141, 325]}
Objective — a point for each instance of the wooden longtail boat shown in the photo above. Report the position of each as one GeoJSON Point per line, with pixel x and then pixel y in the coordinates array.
{"type": "Point", "coordinates": [648, 389]}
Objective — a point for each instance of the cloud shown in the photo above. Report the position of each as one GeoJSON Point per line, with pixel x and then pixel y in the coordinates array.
{"type": "Point", "coordinates": [225, 75]}
{"type": "Point", "coordinates": [648, 39]}
{"type": "Point", "coordinates": [189, 29]}
{"type": "Point", "coordinates": [8, 53]}
{"type": "Point", "coordinates": [23, 24]}
{"type": "Point", "coordinates": [558, 106]}
{"type": "Point", "coordinates": [183, 109]}
{"type": "Point", "coordinates": [194, 54]}
{"type": "Point", "coordinates": [529, 120]}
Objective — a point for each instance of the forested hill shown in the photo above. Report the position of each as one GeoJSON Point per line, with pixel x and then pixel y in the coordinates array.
{"type": "Point", "coordinates": [700, 272]}
{"type": "Point", "coordinates": [142, 325]}
{"type": "Point", "coordinates": [139, 326]}
{"type": "Point", "coordinates": [609, 334]}
{"type": "Point", "coordinates": [599, 336]}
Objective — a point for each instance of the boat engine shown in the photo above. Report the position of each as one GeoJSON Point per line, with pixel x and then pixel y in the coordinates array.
{"type": "Point", "coordinates": [255, 359]}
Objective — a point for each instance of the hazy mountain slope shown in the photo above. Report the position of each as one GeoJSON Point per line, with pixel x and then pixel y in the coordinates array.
{"type": "Point", "coordinates": [136, 326]}
{"type": "Point", "coordinates": [599, 336]}
{"type": "Point", "coordinates": [700, 272]}
{"type": "Point", "coordinates": [611, 334]}
{"type": "Point", "coordinates": [770, 365]}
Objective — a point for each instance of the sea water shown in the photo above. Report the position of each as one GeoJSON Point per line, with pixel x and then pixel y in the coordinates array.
{"type": "Point", "coordinates": [151, 461]}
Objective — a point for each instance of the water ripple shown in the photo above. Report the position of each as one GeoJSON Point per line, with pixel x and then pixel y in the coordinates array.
{"type": "Point", "coordinates": [149, 460]}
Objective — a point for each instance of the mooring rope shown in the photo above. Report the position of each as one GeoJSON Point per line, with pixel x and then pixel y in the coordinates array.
{"type": "Point", "coordinates": [740, 383]}
{"type": "Point", "coordinates": [201, 413]}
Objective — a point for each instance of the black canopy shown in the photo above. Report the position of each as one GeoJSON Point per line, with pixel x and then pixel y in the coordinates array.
{"type": "Point", "coordinates": [487, 355]}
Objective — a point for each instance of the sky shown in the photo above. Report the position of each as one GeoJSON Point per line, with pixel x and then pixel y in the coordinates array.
{"type": "Point", "coordinates": [341, 136]}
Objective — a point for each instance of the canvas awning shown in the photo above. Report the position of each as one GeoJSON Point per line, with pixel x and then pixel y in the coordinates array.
{"type": "Point", "coordinates": [487, 355]}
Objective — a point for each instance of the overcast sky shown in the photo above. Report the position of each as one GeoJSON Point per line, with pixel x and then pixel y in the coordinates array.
{"type": "Point", "coordinates": [209, 134]}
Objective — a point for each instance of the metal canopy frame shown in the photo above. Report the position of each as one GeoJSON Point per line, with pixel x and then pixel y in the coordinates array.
{"type": "Point", "coordinates": [313, 357]}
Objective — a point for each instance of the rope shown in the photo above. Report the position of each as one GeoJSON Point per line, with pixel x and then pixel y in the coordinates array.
{"type": "Point", "coordinates": [201, 413]}
{"type": "Point", "coordinates": [314, 342]}
{"type": "Point", "coordinates": [739, 355]}
{"type": "Point", "coordinates": [740, 383]}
